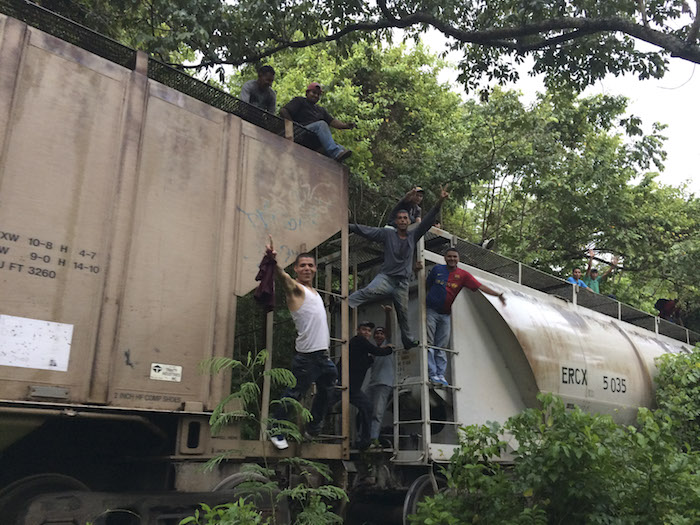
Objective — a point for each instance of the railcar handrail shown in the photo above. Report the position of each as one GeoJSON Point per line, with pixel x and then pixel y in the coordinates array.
{"type": "Point", "coordinates": [364, 255]}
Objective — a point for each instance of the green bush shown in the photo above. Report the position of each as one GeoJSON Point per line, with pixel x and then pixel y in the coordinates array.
{"type": "Point", "coordinates": [309, 503]}
{"type": "Point", "coordinates": [237, 513]}
{"type": "Point", "coordinates": [569, 467]}
{"type": "Point", "coordinates": [678, 394]}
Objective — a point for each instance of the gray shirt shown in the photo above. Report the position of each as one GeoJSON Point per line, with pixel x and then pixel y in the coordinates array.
{"type": "Point", "coordinates": [398, 252]}
{"type": "Point", "coordinates": [382, 371]}
{"type": "Point", "coordinates": [264, 99]}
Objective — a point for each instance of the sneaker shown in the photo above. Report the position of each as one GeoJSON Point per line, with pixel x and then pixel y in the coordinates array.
{"type": "Point", "coordinates": [412, 344]}
{"type": "Point", "coordinates": [375, 444]}
{"type": "Point", "coordinates": [439, 381]}
{"type": "Point", "coordinates": [340, 157]}
{"type": "Point", "coordinates": [279, 442]}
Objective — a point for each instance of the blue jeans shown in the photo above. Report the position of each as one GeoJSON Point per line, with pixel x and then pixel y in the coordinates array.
{"type": "Point", "coordinates": [439, 326]}
{"type": "Point", "coordinates": [323, 132]}
{"type": "Point", "coordinates": [397, 288]}
{"type": "Point", "coordinates": [314, 367]}
{"type": "Point", "coordinates": [379, 395]}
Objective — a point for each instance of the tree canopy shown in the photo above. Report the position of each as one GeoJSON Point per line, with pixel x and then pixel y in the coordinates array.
{"type": "Point", "coordinates": [572, 42]}
{"type": "Point", "coordinates": [547, 180]}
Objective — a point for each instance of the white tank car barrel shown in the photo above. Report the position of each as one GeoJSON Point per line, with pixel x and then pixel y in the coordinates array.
{"type": "Point", "coordinates": [503, 356]}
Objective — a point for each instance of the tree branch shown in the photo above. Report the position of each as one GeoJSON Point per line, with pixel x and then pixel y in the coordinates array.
{"type": "Point", "coordinates": [501, 37]}
{"type": "Point", "coordinates": [695, 28]}
{"type": "Point", "coordinates": [385, 10]}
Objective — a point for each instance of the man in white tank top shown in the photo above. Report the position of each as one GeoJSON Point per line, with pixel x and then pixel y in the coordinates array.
{"type": "Point", "coordinates": [311, 364]}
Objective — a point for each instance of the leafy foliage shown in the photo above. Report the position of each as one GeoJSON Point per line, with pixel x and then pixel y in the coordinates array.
{"type": "Point", "coordinates": [409, 126]}
{"type": "Point", "coordinates": [310, 499]}
{"type": "Point", "coordinates": [678, 394]}
{"type": "Point", "coordinates": [239, 512]}
{"type": "Point", "coordinates": [572, 42]}
{"type": "Point", "coordinates": [569, 467]}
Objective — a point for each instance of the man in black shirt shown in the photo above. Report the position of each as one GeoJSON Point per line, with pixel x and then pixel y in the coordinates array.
{"type": "Point", "coordinates": [361, 357]}
{"type": "Point", "coordinates": [306, 112]}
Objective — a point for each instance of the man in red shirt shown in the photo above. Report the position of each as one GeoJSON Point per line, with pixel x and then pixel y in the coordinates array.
{"type": "Point", "coordinates": [444, 282]}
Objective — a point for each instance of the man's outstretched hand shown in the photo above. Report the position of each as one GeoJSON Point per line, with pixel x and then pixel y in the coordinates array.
{"type": "Point", "coordinates": [443, 192]}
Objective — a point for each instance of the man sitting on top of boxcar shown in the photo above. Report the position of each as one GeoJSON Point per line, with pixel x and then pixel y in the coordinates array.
{"type": "Point", "coordinates": [443, 284]}
{"type": "Point", "coordinates": [315, 118]}
{"type": "Point", "coordinates": [259, 92]}
{"type": "Point", "coordinates": [393, 276]}
{"type": "Point", "coordinates": [311, 363]}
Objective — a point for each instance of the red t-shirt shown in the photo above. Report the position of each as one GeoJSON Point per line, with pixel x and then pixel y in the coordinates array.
{"type": "Point", "coordinates": [443, 286]}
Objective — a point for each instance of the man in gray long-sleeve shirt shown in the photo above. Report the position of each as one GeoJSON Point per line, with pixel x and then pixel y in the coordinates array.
{"type": "Point", "coordinates": [399, 246]}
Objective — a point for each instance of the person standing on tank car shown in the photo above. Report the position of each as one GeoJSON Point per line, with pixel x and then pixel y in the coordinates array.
{"type": "Point", "coordinates": [259, 92]}
{"type": "Point", "coordinates": [394, 274]}
{"type": "Point", "coordinates": [315, 118]}
{"type": "Point", "coordinates": [311, 363]}
{"type": "Point", "coordinates": [591, 278]}
{"type": "Point", "coordinates": [576, 278]}
{"type": "Point", "coordinates": [443, 284]}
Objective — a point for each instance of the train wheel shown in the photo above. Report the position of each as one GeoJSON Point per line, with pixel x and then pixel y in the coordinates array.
{"type": "Point", "coordinates": [15, 498]}
{"type": "Point", "coordinates": [265, 499]}
{"type": "Point", "coordinates": [421, 488]}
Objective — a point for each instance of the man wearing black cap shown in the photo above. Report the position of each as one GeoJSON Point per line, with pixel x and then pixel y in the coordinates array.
{"type": "Point", "coordinates": [393, 277]}
{"type": "Point", "coordinates": [315, 118]}
{"type": "Point", "coordinates": [411, 203]}
{"type": "Point", "coordinates": [361, 357]}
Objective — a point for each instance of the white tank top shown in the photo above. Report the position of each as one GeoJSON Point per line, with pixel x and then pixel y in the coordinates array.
{"type": "Point", "coordinates": [311, 323]}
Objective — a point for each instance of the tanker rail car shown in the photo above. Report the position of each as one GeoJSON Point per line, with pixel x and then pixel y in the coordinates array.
{"type": "Point", "coordinates": [135, 202]}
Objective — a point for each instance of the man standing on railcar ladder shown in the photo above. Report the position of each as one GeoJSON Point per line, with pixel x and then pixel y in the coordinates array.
{"type": "Point", "coordinates": [392, 279]}
{"type": "Point", "coordinates": [312, 363]}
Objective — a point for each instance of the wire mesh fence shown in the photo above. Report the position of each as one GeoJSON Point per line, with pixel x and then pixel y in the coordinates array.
{"type": "Point", "coordinates": [100, 45]}
{"type": "Point", "coordinates": [365, 255]}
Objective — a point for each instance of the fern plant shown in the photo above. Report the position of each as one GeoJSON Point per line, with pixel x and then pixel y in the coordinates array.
{"type": "Point", "coordinates": [311, 504]}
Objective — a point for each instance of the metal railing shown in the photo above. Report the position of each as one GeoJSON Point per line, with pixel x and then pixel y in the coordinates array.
{"type": "Point", "coordinates": [56, 25]}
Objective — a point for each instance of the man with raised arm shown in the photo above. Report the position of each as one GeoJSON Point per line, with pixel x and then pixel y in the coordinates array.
{"type": "Point", "coordinates": [443, 284]}
{"type": "Point", "coordinates": [393, 276]}
{"type": "Point", "coordinates": [311, 363]}
{"type": "Point", "coordinates": [592, 279]}
{"type": "Point", "coordinates": [409, 202]}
